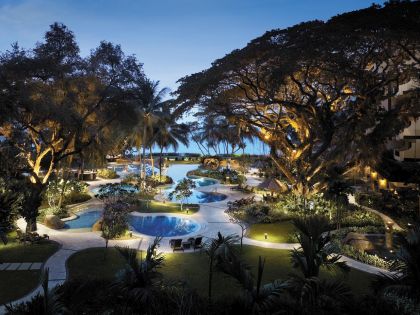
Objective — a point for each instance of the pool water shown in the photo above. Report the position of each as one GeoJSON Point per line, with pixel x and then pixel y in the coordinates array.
{"type": "Point", "coordinates": [199, 197]}
{"type": "Point", "coordinates": [84, 220]}
{"type": "Point", "coordinates": [179, 171]}
{"type": "Point", "coordinates": [163, 225]}
{"type": "Point", "coordinates": [202, 182]}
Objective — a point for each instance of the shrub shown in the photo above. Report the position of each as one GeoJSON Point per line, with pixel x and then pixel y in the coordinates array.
{"type": "Point", "coordinates": [361, 217]}
{"type": "Point", "coordinates": [114, 219]}
{"type": "Point", "coordinates": [363, 257]}
{"type": "Point", "coordinates": [107, 173]}
{"type": "Point", "coordinates": [76, 197]}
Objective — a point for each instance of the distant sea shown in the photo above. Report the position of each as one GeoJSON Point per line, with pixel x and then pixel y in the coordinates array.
{"type": "Point", "coordinates": [256, 147]}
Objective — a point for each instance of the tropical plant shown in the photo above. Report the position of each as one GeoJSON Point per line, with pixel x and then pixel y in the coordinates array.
{"type": "Point", "coordinates": [169, 133]}
{"type": "Point", "coordinates": [316, 249]}
{"type": "Point", "coordinates": [149, 105]}
{"type": "Point", "coordinates": [404, 279]}
{"type": "Point", "coordinates": [182, 190]}
{"type": "Point", "coordinates": [217, 250]}
{"type": "Point", "coordinates": [139, 281]}
{"type": "Point", "coordinates": [114, 219]}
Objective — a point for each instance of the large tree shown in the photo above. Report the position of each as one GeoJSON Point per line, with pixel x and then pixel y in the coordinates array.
{"type": "Point", "coordinates": [59, 103]}
{"type": "Point", "coordinates": [316, 92]}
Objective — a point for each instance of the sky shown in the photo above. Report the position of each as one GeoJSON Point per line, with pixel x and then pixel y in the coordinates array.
{"type": "Point", "coordinates": [172, 38]}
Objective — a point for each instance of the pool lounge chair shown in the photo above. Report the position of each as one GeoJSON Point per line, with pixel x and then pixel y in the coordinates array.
{"type": "Point", "coordinates": [176, 244]}
{"type": "Point", "coordinates": [198, 242]}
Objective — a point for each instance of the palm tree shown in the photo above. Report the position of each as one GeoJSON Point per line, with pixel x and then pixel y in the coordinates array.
{"type": "Point", "coordinates": [169, 133]}
{"type": "Point", "coordinates": [404, 279]}
{"type": "Point", "coordinates": [149, 104]}
{"type": "Point", "coordinates": [139, 280]}
{"type": "Point", "coordinates": [217, 249]}
{"type": "Point", "coordinates": [315, 249]}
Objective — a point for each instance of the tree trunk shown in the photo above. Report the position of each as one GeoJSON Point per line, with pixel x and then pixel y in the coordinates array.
{"type": "Point", "coordinates": [152, 161]}
{"type": "Point", "coordinates": [160, 164]}
{"type": "Point", "coordinates": [31, 225]}
{"type": "Point", "coordinates": [143, 165]}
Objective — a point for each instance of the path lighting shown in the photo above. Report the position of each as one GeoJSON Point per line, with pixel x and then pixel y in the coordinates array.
{"type": "Point", "coordinates": [188, 209]}
{"type": "Point", "coordinates": [383, 183]}
{"type": "Point", "coordinates": [265, 235]}
{"type": "Point", "coordinates": [130, 234]}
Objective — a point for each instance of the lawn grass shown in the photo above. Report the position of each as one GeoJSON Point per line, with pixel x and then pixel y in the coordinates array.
{"type": "Point", "coordinates": [192, 269]}
{"type": "Point", "coordinates": [92, 263]}
{"type": "Point", "coordinates": [15, 284]}
{"type": "Point", "coordinates": [15, 251]}
{"type": "Point", "coordinates": [165, 207]}
{"type": "Point", "coordinates": [280, 232]}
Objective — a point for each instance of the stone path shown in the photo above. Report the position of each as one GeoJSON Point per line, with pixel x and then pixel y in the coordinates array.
{"type": "Point", "coordinates": [20, 266]}
{"type": "Point", "coordinates": [211, 217]}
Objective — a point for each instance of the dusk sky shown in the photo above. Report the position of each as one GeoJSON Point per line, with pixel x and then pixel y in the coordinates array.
{"type": "Point", "coordinates": [171, 38]}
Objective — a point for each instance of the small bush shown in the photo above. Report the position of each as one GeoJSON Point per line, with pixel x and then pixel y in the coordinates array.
{"type": "Point", "coordinates": [76, 197]}
{"type": "Point", "coordinates": [107, 173]}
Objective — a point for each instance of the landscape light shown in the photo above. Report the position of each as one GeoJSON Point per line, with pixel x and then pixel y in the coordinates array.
{"type": "Point", "coordinates": [265, 235]}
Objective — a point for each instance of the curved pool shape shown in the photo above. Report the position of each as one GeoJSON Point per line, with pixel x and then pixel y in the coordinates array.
{"type": "Point", "coordinates": [200, 197]}
{"type": "Point", "coordinates": [85, 220]}
{"type": "Point", "coordinates": [126, 187]}
{"type": "Point", "coordinates": [202, 182]}
{"type": "Point", "coordinates": [163, 225]}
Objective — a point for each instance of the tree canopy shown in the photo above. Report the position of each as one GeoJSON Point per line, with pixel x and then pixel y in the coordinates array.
{"type": "Point", "coordinates": [317, 93]}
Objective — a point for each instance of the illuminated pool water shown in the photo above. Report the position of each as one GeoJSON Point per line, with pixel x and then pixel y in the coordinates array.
{"type": "Point", "coordinates": [163, 225]}
{"type": "Point", "coordinates": [84, 220]}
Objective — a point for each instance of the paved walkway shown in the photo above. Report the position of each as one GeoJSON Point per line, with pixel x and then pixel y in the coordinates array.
{"type": "Point", "coordinates": [211, 217]}
{"type": "Point", "coordinates": [20, 266]}
{"type": "Point", "coordinates": [384, 217]}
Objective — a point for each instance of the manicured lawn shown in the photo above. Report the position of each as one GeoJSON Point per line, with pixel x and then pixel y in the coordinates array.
{"type": "Point", "coordinates": [15, 284]}
{"type": "Point", "coordinates": [165, 207]}
{"type": "Point", "coordinates": [92, 263]}
{"type": "Point", "coordinates": [18, 252]}
{"type": "Point", "coordinates": [280, 232]}
{"type": "Point", "coordinates": [192, 269]}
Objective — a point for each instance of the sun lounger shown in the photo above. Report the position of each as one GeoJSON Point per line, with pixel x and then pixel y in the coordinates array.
{"type": "Point", "coordinates": [176, 244]}
{"type": "Point", "coordinates": [198, 242]}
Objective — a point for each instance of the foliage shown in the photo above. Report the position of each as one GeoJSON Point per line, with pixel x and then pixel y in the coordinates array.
{"type": "Point", "coordinates": [161, 180]}
{"type": "Point", "coordinates": [9, 206]}
{"type": "Point", "coordinates": [313, 92]}
{"type": "Point", "coordinates": [405, 279]}
{"type": "Point", "coordinates": [220, 174]}
{"type": "Point", "coordinates": [63, 192]}
{"type": "Point", "coordinates": [183, 190]}
{"type": "Point", "coordinates": [107, 173]}
{"type": "Point", "coordinates": [114, 219]}
{"type": "Point", "coordinates": [315, 249]}
{"type": "Point", "coordinates": [373, 260]}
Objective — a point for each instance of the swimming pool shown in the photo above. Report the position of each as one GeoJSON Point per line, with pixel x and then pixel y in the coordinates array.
{"type": "Point", "coordinates": [84, 220]}
{"type": "Point", "coordinates": [202, 182]}
{"type": "Point", "coordinates": [199, 197]}
{"type": "Point", "coordinates": [163, 225]}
